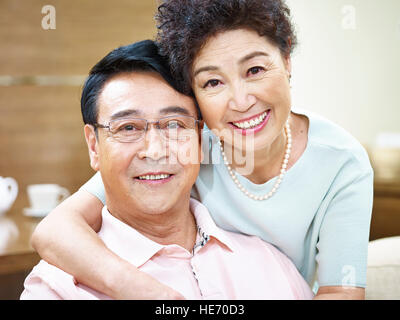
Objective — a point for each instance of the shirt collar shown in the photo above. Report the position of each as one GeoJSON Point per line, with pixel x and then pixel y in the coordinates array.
{"type": "Point", "coordinates": [207, 224]}
{"type": "Point", "coordinates": [134, 247]}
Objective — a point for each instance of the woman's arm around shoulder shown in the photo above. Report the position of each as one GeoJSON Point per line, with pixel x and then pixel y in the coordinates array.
{"type": "Point", "coordinates": [67, 238]}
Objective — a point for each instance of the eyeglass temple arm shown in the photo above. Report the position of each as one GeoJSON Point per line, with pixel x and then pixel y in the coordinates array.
{"type": "Point", "coordinates": [98, 125]}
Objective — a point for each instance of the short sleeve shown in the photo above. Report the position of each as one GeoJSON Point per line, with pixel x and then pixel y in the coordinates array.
{"type": "Point", "coordinates": [37, 289]}
{"type": "Point", "coordinates": [46, 282]}
{"type": "Point", "coordinates": [95, 186]}
{"type": "Point", "coordinates": [344, 234]}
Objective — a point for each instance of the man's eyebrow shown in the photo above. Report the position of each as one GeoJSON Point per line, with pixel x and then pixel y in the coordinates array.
{"type": "Point", "coordinates": [125, 113]}
{"type": "Point", "coordinates": [175, 109]}
{"type": "Point", "coordinates": [242, 60]}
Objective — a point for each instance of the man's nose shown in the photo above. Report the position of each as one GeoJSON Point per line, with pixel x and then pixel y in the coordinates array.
{"type": "Point", "coordinates": [155, 145]}
{"type": "Point", "coordinates": [241, 99]}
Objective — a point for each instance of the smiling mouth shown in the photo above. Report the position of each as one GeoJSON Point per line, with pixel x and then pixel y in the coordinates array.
{"type": "Point", "coordinates": [154, 179]}
{"type": "Point", "coordinates": [252, 123]}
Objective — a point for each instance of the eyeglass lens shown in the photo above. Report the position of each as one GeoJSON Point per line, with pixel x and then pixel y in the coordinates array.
{"type": "Point", "coordinates": [172, 128]}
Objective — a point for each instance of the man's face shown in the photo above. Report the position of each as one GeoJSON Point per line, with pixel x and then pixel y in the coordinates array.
{"type": "Point", "coordinates": [153, 175]}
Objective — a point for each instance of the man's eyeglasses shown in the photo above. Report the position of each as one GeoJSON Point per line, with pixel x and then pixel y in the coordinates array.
{"type": "Point", "coordinates": [133, 129]}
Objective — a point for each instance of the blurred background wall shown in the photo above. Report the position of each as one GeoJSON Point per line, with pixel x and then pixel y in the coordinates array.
{"type": "Point", "coordinates": [347, 64]}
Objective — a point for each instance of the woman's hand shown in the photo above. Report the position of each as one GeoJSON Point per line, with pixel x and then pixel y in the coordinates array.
{"type": "Point", "coordinates": [129, 283]}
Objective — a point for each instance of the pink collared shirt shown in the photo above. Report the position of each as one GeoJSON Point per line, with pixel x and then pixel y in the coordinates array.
{"type": "Point", "coordinates": [223, 265]}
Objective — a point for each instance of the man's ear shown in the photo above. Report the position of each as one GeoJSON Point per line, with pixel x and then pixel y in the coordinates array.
{"type": "Point", "coordinates": [93, 146]}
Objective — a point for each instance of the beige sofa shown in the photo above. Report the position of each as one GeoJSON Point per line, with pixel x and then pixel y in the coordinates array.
{"type": "Point", "coordinates": [383, 273]}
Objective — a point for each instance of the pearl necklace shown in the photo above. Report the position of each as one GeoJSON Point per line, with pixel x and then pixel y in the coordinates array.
{"type": "Point", "coordinates": [278, 181]}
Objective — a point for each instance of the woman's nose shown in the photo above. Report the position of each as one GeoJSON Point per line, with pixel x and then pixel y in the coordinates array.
{"type": "Point", "coordinates": [241, 98]}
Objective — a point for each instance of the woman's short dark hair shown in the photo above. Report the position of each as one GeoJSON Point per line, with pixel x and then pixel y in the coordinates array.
{"type": "Point", "coordinates": [185, 25]}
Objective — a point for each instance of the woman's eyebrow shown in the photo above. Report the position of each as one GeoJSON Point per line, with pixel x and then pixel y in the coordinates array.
{"type": "Point", "coordinates": [241, 61]}
{"type": "Point", "coordinates": [253, 55]}
{"type": "Point", "coordinates": [204, 69]}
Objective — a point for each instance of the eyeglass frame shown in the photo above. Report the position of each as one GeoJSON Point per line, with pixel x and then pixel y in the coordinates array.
{"type": "Point", "coordinates": [156, 123]}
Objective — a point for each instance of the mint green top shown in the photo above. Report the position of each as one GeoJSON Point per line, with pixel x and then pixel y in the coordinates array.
{"type": "Point", "coordinates": [320, 215]}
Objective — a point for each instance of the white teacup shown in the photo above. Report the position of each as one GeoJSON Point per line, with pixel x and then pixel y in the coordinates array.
{"type": "Point", "coordinates": [8, 193]}
{"type": "Point", "coordinates": [46, 196]}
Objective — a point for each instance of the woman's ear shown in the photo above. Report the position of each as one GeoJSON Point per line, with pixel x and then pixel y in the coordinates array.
{"type": "Point", "coordinates": [288, 66]}
{"type": "Point", "coordinates": [93, 146]}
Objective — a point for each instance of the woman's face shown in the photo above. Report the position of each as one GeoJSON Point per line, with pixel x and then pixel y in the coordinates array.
{"type": "Point", "coordinates": [241, 82]}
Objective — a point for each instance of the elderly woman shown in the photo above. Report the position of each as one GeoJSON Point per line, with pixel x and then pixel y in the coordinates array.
{"type": "Point", "coordinates": [308, 190]}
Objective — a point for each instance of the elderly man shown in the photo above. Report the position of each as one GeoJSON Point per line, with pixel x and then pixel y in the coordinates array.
{"type": "Point", "coordinates": [144, 138]}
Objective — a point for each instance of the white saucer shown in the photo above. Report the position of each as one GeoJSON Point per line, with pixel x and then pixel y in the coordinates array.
{"type": "Point", "coordinates": [35, 212]}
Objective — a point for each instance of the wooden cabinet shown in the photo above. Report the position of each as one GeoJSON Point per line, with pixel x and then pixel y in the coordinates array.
{"type": "Point", "coordinates": [17, 257]}
{"type": "Point", "coordinates": [386, 210]}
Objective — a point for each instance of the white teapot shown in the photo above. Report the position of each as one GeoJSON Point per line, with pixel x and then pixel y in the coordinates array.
{"type": "Point", "coordinates": [8, 193]}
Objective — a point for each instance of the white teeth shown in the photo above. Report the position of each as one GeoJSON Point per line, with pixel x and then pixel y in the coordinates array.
{"type": "Point", "coordinates": [252, 123]}
{"type": "Point", "coordinates": [154, 177]}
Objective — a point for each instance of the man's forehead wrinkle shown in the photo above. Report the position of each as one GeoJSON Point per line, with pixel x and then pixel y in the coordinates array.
{"type": "Point", "coordinates": [175, 109]}
{"type": "Point", "coordinates": [163, 111]}
{"type": "Point", "coordinates": [125, 113]}
{"type": "Point", "coordinates": [140, 96]}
